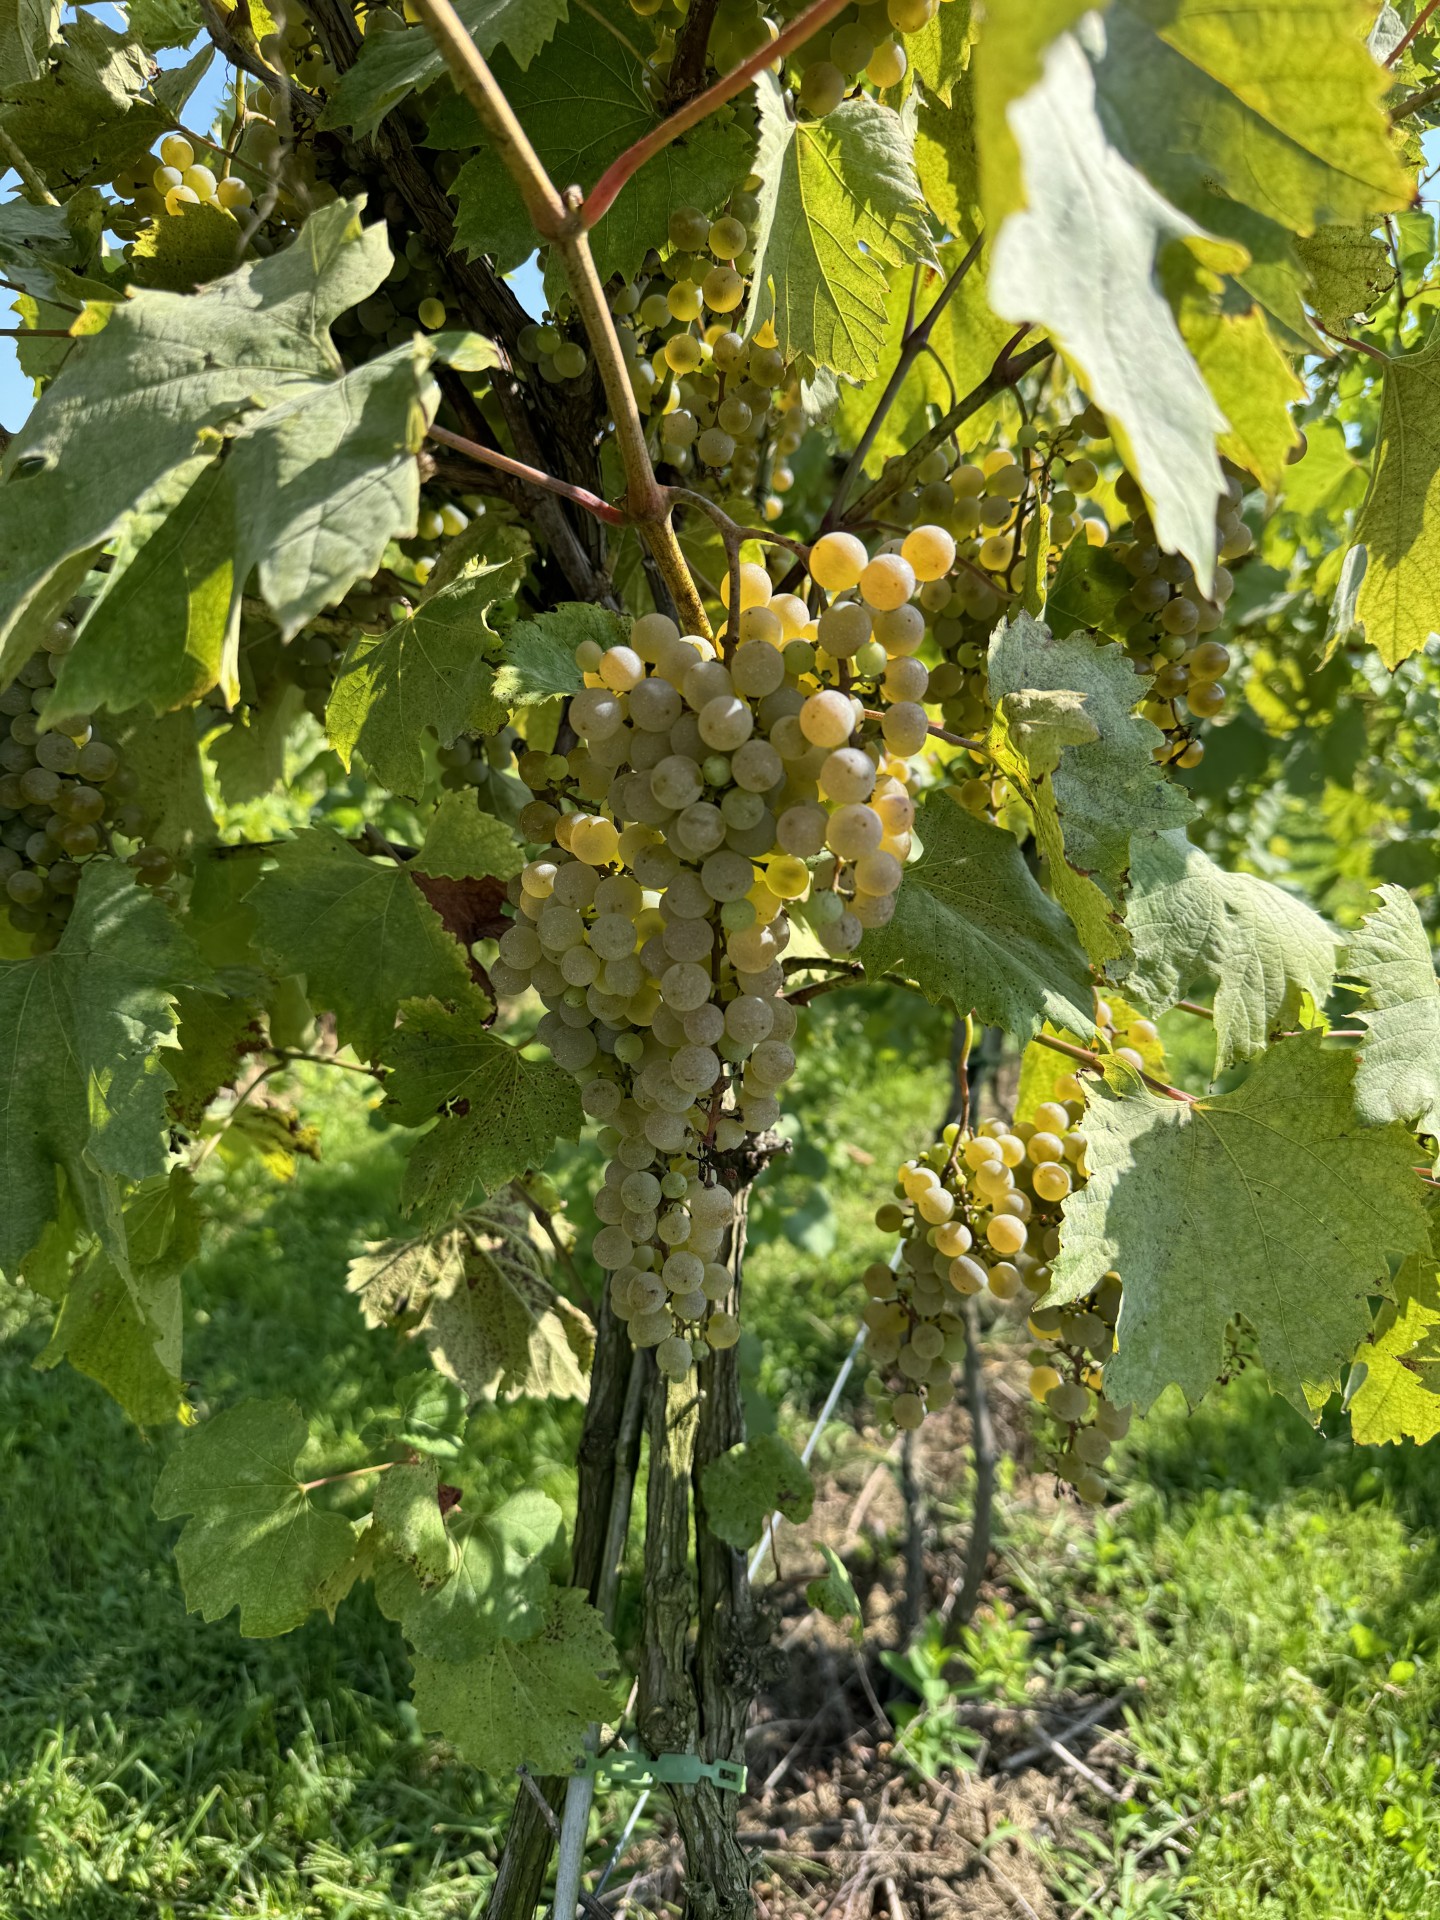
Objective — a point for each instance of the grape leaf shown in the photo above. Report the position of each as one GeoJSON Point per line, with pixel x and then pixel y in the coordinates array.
{"type": "Point", "coordinates": [1399, 1071]}
{"type": "Point", "coordinates": [1079, 260]}
{"type": "Point", "coordinates": [36, 247]}
{"type": "Point", "coordinates": [539, 655]}
{"type": "Point", "coordinates": [973, 929]}
{"type": "Point", "coordinates": [1103, 791]}
{"type": "Point", "coordinates": [583, 101]}
{"type": "Point", "coordinates": [834, 1593]}
{"type": "Point", "coordinates": [320, 470]}
{"type": "Point", "coordinates": [393, 65]}
{"type": "Point", "coordinates": [1087, 591]}
{"type": "Point", "coordinates": [939, 52]}
{"type": "Point", "coordinates": [462, 842]}
{"type": "Point", "coordinates": [215, 1033]}
{"type": "Point", "coordinates": [249, 754]}
{"type": "Point", "coordinates": [525, 1703]}
{"type": "Point", "coordinates": [186, 248]}
{"type": "Point", "coordinates": [164, 756]}
{"type": "Point", "coordinates": [84, 1095]}
{"type": "Point", "coordinates": [1397, 607]}
{"type": "Point", "coordinates": [947, 164]}
{"type": "Point", "coordinates": [1189, 918]}
{"type": "Point", "coordinates": [433, 669]}
{"type": "Point", "coordinates": [499, 1113]}
{"type": "Point", "coordinates": [1350, 272]}
{"type": "Point", "coordinates": [493, 1585]}
{"type": "Point", "coordinates": [125, 1333]}
{"type": "Point", "coordinates": [408, 1519]}
{"type": "Point", "coordinates": [1275, 105]}
{"type": "Point", "coordinates": [82, 120]}
{"type": "Point", "coordinates": [744, 1486]}
{"type": "Point", "coordinates": [156, 630]}
{"type": "Point", "coordinates": [1271, 1202]}
{"type": "Point", "coordinates": [840, 208]}
{"type": "Point", "coordinates": [164, 23]}
{"type": "Point", "coordinates": [1007, 63]}
{"type": "Point", "coordinates": [361, 933]}
{"type": "Point", "coordinates": [1242, 366]}
{"type": "Point", "coordinates": [396, 1278]}
{"type": "Point", "coordinates": [27, 28]}
{"type": "Point", "coordinates": [1392, 1402]}
{"type": "Point", "coordinates": [254, 1539]}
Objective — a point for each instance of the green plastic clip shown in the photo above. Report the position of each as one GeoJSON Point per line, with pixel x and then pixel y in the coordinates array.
{"type": "Point", "coordinates": [666, 1769]}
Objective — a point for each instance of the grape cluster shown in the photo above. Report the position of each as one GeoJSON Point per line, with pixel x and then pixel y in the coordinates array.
{"type": "Point", "coordinates": [977, 1211]}
{"type": "Point", "coordinates": [1081, 1425]}
{"type": "Point", "coordinates": [179, 180]}
{"type": "Point", "coordinates": [64, 796]}
{"type": "Point", "coordinates": [719, 796]}
{"type": "Point", "coordinates": [866, 45]}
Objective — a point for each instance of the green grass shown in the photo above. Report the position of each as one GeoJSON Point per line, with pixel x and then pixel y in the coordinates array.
{"type": "Point", "coordinates": [1271, 1595]}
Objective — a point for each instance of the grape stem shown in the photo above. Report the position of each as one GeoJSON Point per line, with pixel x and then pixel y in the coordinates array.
{"type": "Point", "coordinates": [692, 47]}
{"type": "Point", "coordinates": [940, 733]}
{"type": "Point", "coordinates": [36, 333]}
{"type": "Point", "coordinates": [1415, 27]}
{"type": "Point", "coordinates": [355, 1473]}
{"type": "Point", "coordinates": [560, 220]}
{"type": "Point", "coordinates": [724, 522]}
{"type": "Point", "coordinates": [1358, 346]}
{"type": "Point", "coordinates": [29, 178]}
{"type": "Point", "coordinates": [1009, 367]}
{"type": "Point", "coordinates": [1089, 1059]}
{"type": "Point", "coordinates": [1416, 102]}
{"type": "Point", "coordinates": [917, 338]}
{"type": "Point", "coordinates": [603, 194]}
{"type": "Point", "coordinates": [488, 457]}
{"type": "Point", "coordinates": [1194, 1006]}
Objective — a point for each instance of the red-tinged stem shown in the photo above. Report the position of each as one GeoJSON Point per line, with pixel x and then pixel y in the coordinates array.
{"type": "Point", "coordinates": [1089, 1059]}
{"type": "Point", "coordinates": [1358, 346]}
{"type": "Point", "coordinates": [603, 194]}
{"type": "Point", "coordinates": [1420, 20]}
{"type": "Point", "coordinates": [355, 1473]}
{"type": "Point", "coordinates": [582, 496]}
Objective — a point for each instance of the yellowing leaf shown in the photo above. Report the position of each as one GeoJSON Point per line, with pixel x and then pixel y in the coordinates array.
{"type": "Point", "coordinates": [1079, 260]}
{"type": "Point", "coordinates": [1397, 607]}
{"type": "Point", "coordinates": [1392, 1402]}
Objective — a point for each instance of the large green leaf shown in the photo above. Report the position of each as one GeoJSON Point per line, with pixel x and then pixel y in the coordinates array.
{"type": "Point", "coordinates": [1249, 376]}
{"type": "Point", "coordinates": [321, 469]}
{"type": "Point", "coordinates": [525, 1703]}
{"type": "Point", "coordinates": [1398, 604]}
{"type": "Point", "coordinates": [840, 210]}
{"type": "Point", "coordinates": [434, 669]}
{"type": "Point", "coordinates": [539, 655]}
{"type": "Point", "coordinates": [1274, 104]}
{"type": "Point", "coordinates": [582, 102]}
{"type": "Point", "coordinates": [1191, 920]}
{"type": "Point", "coordinates": [1079, 260]}
{"type": "Point", "coordinates": [1268, 1202]}
{"type": "Point", "coordinates": [974, 930]}
{"type": "Point", "coordinates": [84, 1090]}
{"type": "Point", "coordinates": [254, 1539]}
{"type": "Point", "coordinates": [360, 931]}
{"type": "Point", "coordinates": [1399, 1074]}
{"type": "Point", "coordinates": [1104, 791]}
{"type": "Point", "coordinates": [497, 1114]}
{"type": "Point", "coordinates": [393, 65]}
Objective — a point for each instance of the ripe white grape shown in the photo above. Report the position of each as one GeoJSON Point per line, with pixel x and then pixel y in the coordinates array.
{"type": "Point", "coordinates": [887, 582]}
{"type": "Point", "coordinates": [930, 552]}
{"type": "Point", "coordinates": [837, 561]}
